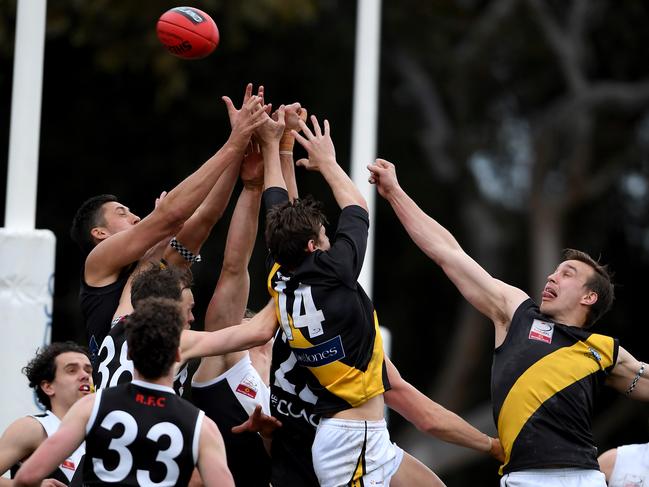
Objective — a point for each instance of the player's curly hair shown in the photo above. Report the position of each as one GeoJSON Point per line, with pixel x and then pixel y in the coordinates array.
{"type": "Point", "coordinates": [88, 216]}
{"type": "Point", "coordinates": [160, 282]}
{"type": "Point", "coordinates": [601, 282]}
{"type": "Point", "coordinates": [153, 336]}
{"type": "Point", "coordinates": [43, 367]}
{"type": "Point", "coordinates": [290, 226]}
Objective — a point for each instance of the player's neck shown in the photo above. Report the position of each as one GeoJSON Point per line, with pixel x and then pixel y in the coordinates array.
{"type": "Point", "coordinates": [166, 380]}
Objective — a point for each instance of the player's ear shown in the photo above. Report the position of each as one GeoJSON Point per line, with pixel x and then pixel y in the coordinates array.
{"type": "Point", "coordinates": [311, 246]}
{"type": "Point", "coordinates": [590, 298]}
{"type": "Point", "coordinates": [47, 388]}
{"type": "Point", "coordinates": [99, 233]}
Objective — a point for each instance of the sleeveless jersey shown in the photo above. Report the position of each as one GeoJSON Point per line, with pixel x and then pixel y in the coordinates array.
{"type": "Point", "coordinates": [327, 317]}
{"type": "Point", "coordinates": [228, 400]}
{"type": "Point", "coordinates": [98, 305]}
{"type": "Point", "coordinates": [545, 377]}
{"type": "Point", "coordinates": [116, 368]}
{"type": "Point", "coordinates": [66, 470]}
{"type": "Point", "coordinates": [292, 402]}
{"type": "Point", "coordinates": [631, 466]}
{"type": "Point", "coordinates": [141, 434]}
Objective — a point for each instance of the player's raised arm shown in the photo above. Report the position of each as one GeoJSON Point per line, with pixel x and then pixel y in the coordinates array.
{"type": "Point", "coordinates": [111, 255]}
{"type": "Point", "coordinates": [492, 297]}
{"type": "Point", "coordinates": [293, 114]}
{"type": "Point", "coordinates": [269, 134]}
{"type": "Point", "coordinates": [322, 158]}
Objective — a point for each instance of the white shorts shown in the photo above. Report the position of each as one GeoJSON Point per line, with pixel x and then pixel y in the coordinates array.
{"type": "Point", "coordinates": [554, 477]}
{"type": "Point", "coordinates": [346, 451]}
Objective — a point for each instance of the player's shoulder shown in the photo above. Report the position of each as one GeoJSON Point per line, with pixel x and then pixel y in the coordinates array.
{"type": "Point", "coordinates": [25, 432]}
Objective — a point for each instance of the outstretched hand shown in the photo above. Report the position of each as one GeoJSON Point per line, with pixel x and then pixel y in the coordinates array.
{"type": "Point", "coordinates": [294, 113]}
{"type": "Point", "coordinates": [251, 115]}
{"type": "Point", "coordinates": [259, 422]}
{"type": "Point", "coordinates": [384, 176]}
{"type": "Point", "coordinates": [317, 143]}
{"type": "Point", "coordinates": [272, 129]}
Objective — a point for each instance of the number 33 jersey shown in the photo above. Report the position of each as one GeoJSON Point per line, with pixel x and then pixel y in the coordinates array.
{"type": "Point", "coordinates": [328, 319]}
{"type": "Point", "coordinates": [141, 434]}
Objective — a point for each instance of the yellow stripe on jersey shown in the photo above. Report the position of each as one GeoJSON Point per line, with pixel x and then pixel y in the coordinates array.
{"type": "Point", "coordinates": [345, 381]}
{"type": "Point", "coordinates": [544, 379]}
{"type": "Point", "coordinates": [274, 294]}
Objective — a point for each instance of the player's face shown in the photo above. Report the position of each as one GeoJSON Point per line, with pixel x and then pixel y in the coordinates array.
{"type": "Point", "coordinates": [187, 305]}
{"type": "Point", "coordinates": [72, 379]}
{"type": "Point", "coordinates": [566, 288]}
{"type": "Point", "coordinates": [118, 217]}
{"type": "Point", "coordinates": [323, 240]}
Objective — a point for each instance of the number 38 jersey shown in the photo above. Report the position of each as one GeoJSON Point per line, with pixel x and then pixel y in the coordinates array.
{"type": "Point", "coordinates": [328, 319]}
{"type": "Point", "coordinates": [141, 434]}
{"type": "Point", "coordinates": [115, 367]}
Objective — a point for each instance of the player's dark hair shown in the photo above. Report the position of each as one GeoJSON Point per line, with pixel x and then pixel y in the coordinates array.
{"type": "Point", "coordinates": [88, 216]}
{"type": "Point", "coordinates": [160, 281]}
{"type": "Point", "coordinates": [43, 367]}
{"type": "Point", "coordinates": [153, 336]}
{"type": "Point", "coordinates": [601, 283]}
{"type": "Point", "coordinates": [290, 226]}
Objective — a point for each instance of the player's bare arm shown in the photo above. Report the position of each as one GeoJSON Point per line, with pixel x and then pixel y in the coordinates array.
{"type": "Point", "coordinates": [433, 419]}
{"type": "Point", "coordinates": [322, 158]}
{"type": "Point", "coordinates": [196, 230]}
{"type": "Point", "coordinates": [630, 376]}
{"type": "Point", "coordinates": [111, 255]}
{"type": "Point", "coordinates": [211, 457]}
{"type": "Point", "coordinates": [492, 297]}
{"type": "Point", "coordinates": [57, 447]}
{"type": "Point", "coordinates": [19, 440]}
{"type": "Point", "coordinates": [230, 296]}
{"type": "Point", "coordinates": [269, 135]}
{"type": "Point", "coordinates": [250, 333]}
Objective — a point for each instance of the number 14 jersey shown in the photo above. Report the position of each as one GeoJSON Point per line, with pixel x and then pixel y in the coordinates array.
{"type": "Point", "coordinates": [328, 319]}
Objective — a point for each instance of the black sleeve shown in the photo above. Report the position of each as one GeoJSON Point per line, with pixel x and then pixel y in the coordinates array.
{"type": "Point", "coordinates": [347, 252]}
{"type": "Point", "coordinates": [274, 196]}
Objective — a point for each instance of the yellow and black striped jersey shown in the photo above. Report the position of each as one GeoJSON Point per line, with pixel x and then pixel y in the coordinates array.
{"type": "Point", "coordinates": [328, 319]}
{"type": "Point", "coordinates": [545, 377]}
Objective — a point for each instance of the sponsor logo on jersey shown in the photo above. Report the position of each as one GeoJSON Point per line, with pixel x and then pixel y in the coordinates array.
{"type": "Point", "coordinates": [594, 354]}
{"type": "Point", "coordinates": [287, 408]}
{"type": "Point", "coordinates": [322, 354]}
{"type": "Point", "coordinates": [541, 331]}
{"type": "Point", "coordinates": [69, 464]}
{"type": "Point", "coordinates": [248, 386]}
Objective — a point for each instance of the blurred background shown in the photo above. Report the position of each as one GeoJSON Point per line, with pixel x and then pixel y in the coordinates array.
{"type": "Point", "coordinates": [520, 125]}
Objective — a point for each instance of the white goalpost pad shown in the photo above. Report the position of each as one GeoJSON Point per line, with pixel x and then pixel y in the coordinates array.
{"type": "Point", "coordinates": [26, 288]}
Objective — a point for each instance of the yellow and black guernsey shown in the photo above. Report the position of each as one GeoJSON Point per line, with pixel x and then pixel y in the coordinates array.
{"type": "Point", "coordinates": [544, 381]}
{"type": "Point", "coordinates": [327, 318]}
